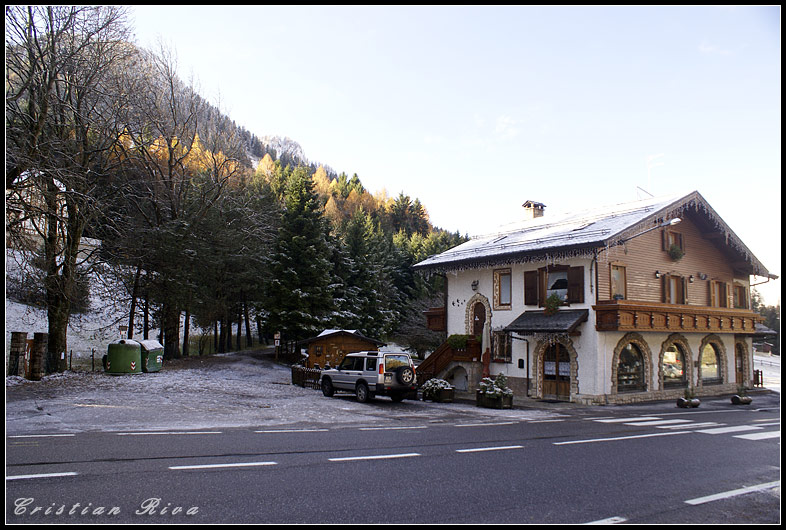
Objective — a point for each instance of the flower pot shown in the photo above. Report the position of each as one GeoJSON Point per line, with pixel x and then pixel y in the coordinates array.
{"type": "Point", "coordinates": [494, 402]}
{"type": "Point", "coordinates": [441, 395]}
{"type": "Point", "coordinates": [688, 403]}
{"type": "Point", "coordinates": [741, 400]}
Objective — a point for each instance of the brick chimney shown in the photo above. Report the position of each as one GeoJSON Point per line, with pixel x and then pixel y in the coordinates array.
{"type": "Point", "coordinates": [533, 209]}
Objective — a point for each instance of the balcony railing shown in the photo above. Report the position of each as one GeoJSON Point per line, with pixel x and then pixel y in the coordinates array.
{"type": "Point", "coordinates": [629, 315]}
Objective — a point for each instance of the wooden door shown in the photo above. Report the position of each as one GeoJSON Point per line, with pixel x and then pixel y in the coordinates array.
{"type": "Point", "coordinates": [556, 372]}
{"type": "Point", "coordinates": [739, 364]}
{"type": "Point", "coordinates": [478, 319]}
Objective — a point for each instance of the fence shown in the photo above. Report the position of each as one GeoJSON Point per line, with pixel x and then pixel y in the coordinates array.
{"type": "Point", "coordinates": [306, 377]}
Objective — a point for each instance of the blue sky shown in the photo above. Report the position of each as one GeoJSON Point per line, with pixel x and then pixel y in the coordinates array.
{"type": "Point", "coordinates": [474, 110]}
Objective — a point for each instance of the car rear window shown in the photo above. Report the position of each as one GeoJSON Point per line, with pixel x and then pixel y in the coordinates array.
{"type": "Point", "coordinates": [394, 361]}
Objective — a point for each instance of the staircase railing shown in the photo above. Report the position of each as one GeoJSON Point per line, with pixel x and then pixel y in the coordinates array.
{"type": "Point", "coordinates": [444, 355]}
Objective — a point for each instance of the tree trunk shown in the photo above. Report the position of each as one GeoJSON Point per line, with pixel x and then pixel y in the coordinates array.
{"type": "Point", "coordinates": [170, 323]}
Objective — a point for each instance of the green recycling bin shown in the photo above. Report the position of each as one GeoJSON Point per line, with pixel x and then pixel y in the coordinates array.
{"type": "Point", "coordinates": [152, 355]}
{"type": "Point", "coordinates": [124, 357]}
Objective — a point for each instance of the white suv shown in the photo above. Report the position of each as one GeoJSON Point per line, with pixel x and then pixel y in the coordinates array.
{"type": "Point", "coordinates": [372, 373]}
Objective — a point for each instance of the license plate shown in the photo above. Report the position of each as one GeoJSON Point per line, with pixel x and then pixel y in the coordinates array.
{"type": "Point", "coordinates": [388, 378]}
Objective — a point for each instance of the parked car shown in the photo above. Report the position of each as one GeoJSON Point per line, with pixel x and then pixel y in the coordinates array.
{"type": "Point", "coordinates": [372, 373]}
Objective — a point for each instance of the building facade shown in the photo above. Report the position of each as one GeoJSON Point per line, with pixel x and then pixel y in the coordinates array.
{"type": "Point", "coordinates": [632, 302]}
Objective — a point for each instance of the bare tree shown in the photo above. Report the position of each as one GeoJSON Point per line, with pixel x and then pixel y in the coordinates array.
{"type": "Point", "coordinates": [64, 66]}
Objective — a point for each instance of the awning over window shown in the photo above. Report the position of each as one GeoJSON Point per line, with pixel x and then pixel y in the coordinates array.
{"type": "Point", "coordinates": [563, 321]}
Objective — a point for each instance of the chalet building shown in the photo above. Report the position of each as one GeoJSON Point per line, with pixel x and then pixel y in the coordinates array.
{"type": "Point", "coordinates": [626, 303]}
{"type": "Point", "coordinates": [329, 347]}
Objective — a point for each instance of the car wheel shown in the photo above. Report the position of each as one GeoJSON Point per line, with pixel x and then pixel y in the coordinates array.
{"type": "Point", "coordinates": [327, 387]}
{"type": "Point", "coordinates": [361, 392]}
{"type": "Point", "coordinates": [405, 375]}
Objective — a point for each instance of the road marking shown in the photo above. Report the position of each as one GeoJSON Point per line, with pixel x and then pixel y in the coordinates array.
{"type": "Point", "coordinates": [760, 435]}
{"type": "Point", "coordinates": [724, 430]}
{"type": "Point", "coordinates": [499, 448]}
{"type": "Point", "coordinates": [40, 435]}
{"type": "Point", "coordinates": [161, 433]}
{"type": "Point", "coordinates": [392, 428]}
{"type": "Point", "coordinates": [733, 493]}
{"type": "Point", "coordinates": [656, 422]}
{"type": "Point", "coordinates": [610, 520]}
{"type": "Point", "coordinates": [771, 424]}
{"type": "Point", "coordinates": [294, 430]}
{"type": "Point", "coordinates": [374, 457]}
{"type": "Point", "coordinates": [622, 420]}
{"type": "Point", "coordinates": [621, 438]}
{"type": "Point", "coordinates": [692, 425]}
{"type": "Point", "coordinates": [486, 424]}
{"type": "Point", "coordinates": [545, 421]}
{"type": "Point", "coordinates": [42, 475]}
{"type": "Point", "coordinates": [213, 466]}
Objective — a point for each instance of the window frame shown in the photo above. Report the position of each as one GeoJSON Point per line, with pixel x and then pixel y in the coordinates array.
{"type": "Point", "coordinates": [622, 267]}
{"type": "Point", "coordinates": [670, 382]}
{"type": "Point", "coordinates": [718, 377]}
{"type": "Point", "coordinates": [501, 347]}
{"type": "Point", "coordinates": [499, 274]}
{"type": "Point", "coordinates": [640, 373]}
{"type": "Point", "coordinates": [680, 291]}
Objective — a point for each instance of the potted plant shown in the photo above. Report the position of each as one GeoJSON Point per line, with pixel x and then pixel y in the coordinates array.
{"type": "Point", "coordinates": [494, 393]}
{"type": "Point", "coordinates": [689, 401]}
{"type": "Point", "coordinates": [438, 391]}
{"type": "Point", "coordinates": [675, 252]}
{"type": "Point", "coordinates": [741, 397]}
{"type": "Point", "coordinates": [552, 304]}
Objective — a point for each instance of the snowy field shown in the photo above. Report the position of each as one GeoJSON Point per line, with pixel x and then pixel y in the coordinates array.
{"type": "Point", "coordinates": [231, 390]}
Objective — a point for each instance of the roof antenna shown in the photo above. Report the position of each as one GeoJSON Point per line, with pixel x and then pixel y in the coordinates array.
{"type": "Point", "coordinates": [645, 191]}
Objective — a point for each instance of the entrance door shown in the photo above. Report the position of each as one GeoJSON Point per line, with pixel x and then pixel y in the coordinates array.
{"type": "Point", "coordinates": [556, 372]}
{"type": "Point", "coordinates": [478, 319]}
{"type": "Point", "coordinates": [739, 355]}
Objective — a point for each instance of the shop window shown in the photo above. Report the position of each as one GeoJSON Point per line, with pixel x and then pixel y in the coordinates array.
{"type": "Point", "coordinates": [630, 370]}
{"type": "Point", "coordinates": [674, 373]}
{"type": "Point", "coordinates": [709, 364]}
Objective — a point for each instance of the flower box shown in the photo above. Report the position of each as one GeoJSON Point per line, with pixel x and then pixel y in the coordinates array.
{"type": "Point", "coordinates": [438, 391]}
{"type": "Point", "coordinates": [494, 402]}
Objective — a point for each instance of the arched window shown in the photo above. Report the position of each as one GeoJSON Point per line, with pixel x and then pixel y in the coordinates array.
{"type": "Point", "coordinates": [709, 362]}
{"type": "Point", "coordinates": [674, 368]}
{"type": "Point", "coordinates": [630, 369]}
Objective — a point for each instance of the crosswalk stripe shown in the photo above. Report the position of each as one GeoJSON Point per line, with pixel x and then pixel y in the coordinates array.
{"type": "Point", "coordinates": [760, 435]}
{"type": "Point", "coordinates": [656, 422]}
{"type": "Point", "coordinates": [735, 428]}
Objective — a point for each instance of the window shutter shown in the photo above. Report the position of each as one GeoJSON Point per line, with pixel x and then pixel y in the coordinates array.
{"type": "Point", "coordinates": [684, 290]}
{"type": "Point", "coordinates": [729, 295]}
{"type": "Point", "coordinates": [576, 285]}
{"type": "Point", "coordinates": [531, 288]}
{"type": "Point", "coordinates": [665, 288]}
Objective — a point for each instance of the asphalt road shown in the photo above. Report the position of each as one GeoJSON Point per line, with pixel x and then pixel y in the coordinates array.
{"type": "Point", "coordinates": [637, 464]}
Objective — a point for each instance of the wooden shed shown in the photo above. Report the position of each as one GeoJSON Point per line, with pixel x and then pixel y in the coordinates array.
{"type": "Point", "coordinates": [330, 346]}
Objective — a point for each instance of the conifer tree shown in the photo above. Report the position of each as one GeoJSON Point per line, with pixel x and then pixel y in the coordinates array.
{"type": "Point", "coordinates": [299, 294]}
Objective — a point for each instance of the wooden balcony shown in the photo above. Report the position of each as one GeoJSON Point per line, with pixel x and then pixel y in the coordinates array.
{"type": "Point", "coordinates": [629, 315]}
{"type": "Point", "coordinates": [435, 319]}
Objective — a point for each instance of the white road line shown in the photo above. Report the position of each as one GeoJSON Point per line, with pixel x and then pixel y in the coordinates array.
{"type": "Point", "coordinates": [772, 423]}
{"type": "Point", "coordinates": [733, 493]}
{"type": "Point", "coordinates": [499, 448]}
{"type": "Point", "coordinates": [293, 430]}
{"type": "Point", "coordinates": [692, 425]}
{"type": "Point", "coordinates": [42, 475]}
{"type": "Point", "coordinates": [724, 430]}
{"type": "Point", "coordinates": [656, 422]}
{"type": "Point", "coordinates": [622, 420]}
{"type": "Point", "coordinates": [610, 520]}
{"type": "Point", "coordinates": [163, 433]}
{"type": "Point", "coordinates": [621, 438]}
{"type": "Point", "coordinates": [486, 424]}
{"type": "Point", "coordinates": [41, 435]}
{"type": "Point", "coordinates": [760, 435]}
{"type": "Point", "coordinates": [374, 457]}
{"type": "Point", "coordinates": [213, 466]}
{"type": "Point", "coordinates": [545, 421]}
{"type": "Point", "coordinates": [392, 428]}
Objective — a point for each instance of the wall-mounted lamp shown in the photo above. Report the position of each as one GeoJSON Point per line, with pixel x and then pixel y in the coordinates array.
{"type": "Point", "coordinates": [657, 274]}
{"type": "Point", "coordinates": [691, 278]}
{"type": "Point", "coordinates": [475, 285]}
{"type": "Point", "coordinates": [702, 276]}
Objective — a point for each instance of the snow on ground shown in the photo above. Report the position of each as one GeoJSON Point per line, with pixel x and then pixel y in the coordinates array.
{"type": "Point", "coordinates": [232, 390]}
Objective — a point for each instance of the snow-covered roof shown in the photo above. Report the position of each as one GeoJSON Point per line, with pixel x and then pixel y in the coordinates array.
{"type": "Point", "coordinates": [581, 233]}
